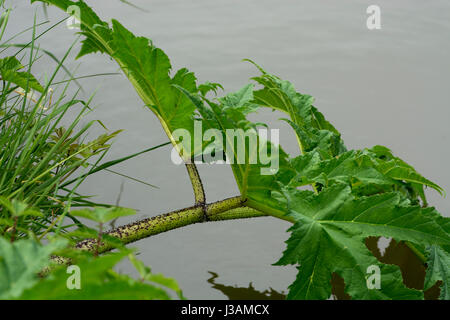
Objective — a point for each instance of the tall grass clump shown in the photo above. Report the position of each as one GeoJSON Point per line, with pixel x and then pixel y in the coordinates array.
{"type": "Point", "coordinates": [43, 144]}
{"type": "Point", "coordinates": [45, 154]}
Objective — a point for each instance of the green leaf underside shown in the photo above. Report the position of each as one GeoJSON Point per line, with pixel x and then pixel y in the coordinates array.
{"type": "Point", "coordinates": [438, 270]}
{"type": "Point", "coordinates": [147, 67]}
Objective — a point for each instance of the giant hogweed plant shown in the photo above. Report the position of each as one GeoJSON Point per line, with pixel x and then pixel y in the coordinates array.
{"type": "Point", "coordinates": [353, 194]}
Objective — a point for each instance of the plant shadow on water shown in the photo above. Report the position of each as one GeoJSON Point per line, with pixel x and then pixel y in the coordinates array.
{"type": "Point", "coordinates": [396, 253]}
{"type": "Point", "coordinates": [243, 293]}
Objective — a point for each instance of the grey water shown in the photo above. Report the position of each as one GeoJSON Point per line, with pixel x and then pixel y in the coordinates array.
{"type": "Point", "coordinates": [388, 86]}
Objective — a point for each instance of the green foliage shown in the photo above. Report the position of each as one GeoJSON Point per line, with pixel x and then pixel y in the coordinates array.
{"type": "Point", "coordinates": [38, 155]}
{"type": "Point", "coordinates": [18, 208]}
{"type": "Point", "coordinates": [399, 170]}
{"type": "Point", "coordinates": [328, 236]}
{"type": "Point", "coordinates": [208, 87]}
{"type": "Point", "coordinates": [26, 271]}
{"type": "Point", "coordinates": [103, 215]}
{"type": "Point", "coordinates": [354, 194]}
{"type": "Point", "coordinates": [229, 113]}
{"type": "Point", "coordinates": [146, 66]}
{"type": "Point", "coordinates": [314, 133]}
{"type": "Point", "coordinates": [21, 277]}
{"type": "Point", "coordinates": [99, 282]}
{"type": "Point", "coordinates": [438, 270]}
{"type": "Point", "coordinates": [147, 275]}
{"type": "Point", "coordinates": [9, 67]}
{"type": "Point", "coordinates": [20, 263]}
{"type": "Point", "coordinates": [44, 150]}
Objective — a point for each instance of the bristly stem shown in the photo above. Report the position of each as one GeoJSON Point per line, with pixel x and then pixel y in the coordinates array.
{"type": "Point", "coordinates": [228, 209]}
{"type": "Point", "coordinates": [197, 185]}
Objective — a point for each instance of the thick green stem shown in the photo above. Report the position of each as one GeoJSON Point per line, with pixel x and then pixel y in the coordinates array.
{"type": "Point", "coordinates": [227, 209]}
{"type": "Point", "coordinates": [269, 210]}
{"type": "Point", "coordinates": [197, 184]}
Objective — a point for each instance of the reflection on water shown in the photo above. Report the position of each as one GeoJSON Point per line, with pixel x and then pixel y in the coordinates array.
{"type": "Point", "coordinates": [413, 271]}
{"type": "Point", "coordinates": [242, 293]}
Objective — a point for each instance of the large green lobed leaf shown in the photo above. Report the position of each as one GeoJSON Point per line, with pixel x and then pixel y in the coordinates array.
{"type": "Point", "coordinates": [328, 236]}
